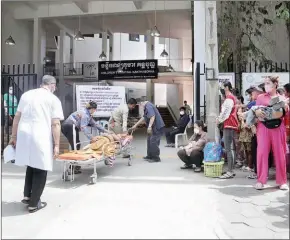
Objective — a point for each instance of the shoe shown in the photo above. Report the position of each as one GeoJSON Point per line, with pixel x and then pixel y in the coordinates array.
{"type": "Point", "coordinates": [40, 206]}
{"type": "Point", "coordinates": [147, 158]}
{"type": "Point", "coordinates": [252, 176]}
{"type": "Point", "coordinates": [153, 160]}
{"type": "Point", "coordinates": [25, 201]}
{"type": "Point", "coordinates": [197, 170]}
{"type": "Point", "coordinates": [259, 186]}
{"type": "Point", "coordinates": [126, 156]}
{"type": "Point", "coordinates": [284, 187]}
{"type": "Point", "coordinates": [227, 175]}
{"type": "Point", "coordinates": [186, 166]}
{"type": "Point", "coordinates": [169, 145]}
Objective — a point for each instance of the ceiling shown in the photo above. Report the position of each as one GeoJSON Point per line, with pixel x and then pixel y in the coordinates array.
{"type": "Point", "coordinates": [176, 24]}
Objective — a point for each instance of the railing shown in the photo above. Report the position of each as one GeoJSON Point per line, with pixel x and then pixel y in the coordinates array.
{"type": "Point", "coordinates": [172, 112]}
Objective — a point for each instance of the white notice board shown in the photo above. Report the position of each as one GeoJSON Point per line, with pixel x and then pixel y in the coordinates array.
{"type": "Point", "coordinates": [108, 98]}
{"type": "Point", "coordinates": [227, 77]}
{"type": "Point", "coordinates": [255, 79]}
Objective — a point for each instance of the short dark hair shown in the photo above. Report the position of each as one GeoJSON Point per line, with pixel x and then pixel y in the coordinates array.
{"type": "Point", "coordinates": [241, 98]}
{"type": "Point", "coordinates": [182, 108]}
{"type": "Point", "coordinates": [281, 91]}
{"type": "Point", "coordinates": [185, 101]}
{"type": "Point", "coordinates": [91, 105]}
{"type": "Point", "coordinates": [228, 84]}
{"type": "Point", "coordinates": [132, 101]}
{"type": "Point", "coordinates": [287, 87]}
{"type": "Point", "coordinates": [262, 86]}
{"type": "Point", "coordinates": [199, 123]}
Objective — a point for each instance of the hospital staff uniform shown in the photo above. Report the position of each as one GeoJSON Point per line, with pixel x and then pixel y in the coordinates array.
{"type": "Point", "coordinates": [34, 146]}
{"type": "Point", "coordinates": [80, 121]}
{"type": "Point", "coordinates": [153, 140]}
{"type": "Point", "coordinates": [118, 120]}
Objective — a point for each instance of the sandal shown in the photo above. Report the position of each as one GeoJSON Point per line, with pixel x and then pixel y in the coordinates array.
{"type": "Point", "coordinates": [40, 206]}
{"type": "Point", "coordinates": [186, 166]}
{"type": "Point", "coordinates": [252, 176]}
{"type": "Point", "coordinates": [227, 175]}
{"type": "Point", "coordinates": [259, 186]}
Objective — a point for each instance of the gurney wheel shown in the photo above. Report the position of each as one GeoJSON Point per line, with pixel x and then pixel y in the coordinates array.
{"type": "Point", "coordinates": [65, 176]}
{"type": "Point", "coordinates": [93, 180]}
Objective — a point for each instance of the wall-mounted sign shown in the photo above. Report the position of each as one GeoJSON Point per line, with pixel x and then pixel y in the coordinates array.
{"type": "Point", "coordinates": [108, 98]}
{"type": "Point", "coordinates": [227, 77]}
{"type": "Point", "coordinates": [134, 69]}
{"type": "Point", "coordinates": [90, 70]}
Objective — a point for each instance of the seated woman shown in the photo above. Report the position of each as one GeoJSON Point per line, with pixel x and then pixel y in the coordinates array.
{"type": "Point", "coordinates": [179, 128]}
{"type": "Point", "coordinates": [192, 154]}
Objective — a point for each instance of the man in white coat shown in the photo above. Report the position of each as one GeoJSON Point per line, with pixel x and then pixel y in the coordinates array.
{"type": "Point", "coordinates": [36, 136]}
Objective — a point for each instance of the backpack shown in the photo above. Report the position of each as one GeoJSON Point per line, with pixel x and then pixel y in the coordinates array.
{"type": "Point", "coordinates": [212, 152]}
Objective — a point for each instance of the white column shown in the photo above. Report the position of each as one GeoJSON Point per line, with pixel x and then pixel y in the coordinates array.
{"type": "Point", "coordinates": [212, 87]}
{"type": "Point", "coordinates": [104, 42]}
{"type": "Point", "coordinates": [111, 49]}
{"type": "Point", "coordinates": [37, 32]}
{"type": "Point", "coordinates": [150, 49]}
{"type": "Point", "coordinates": [61, 77]}
{"type": "Point", "coordinates": [200, 47]}
{"type": "Point", "coordinates": [72, 51]}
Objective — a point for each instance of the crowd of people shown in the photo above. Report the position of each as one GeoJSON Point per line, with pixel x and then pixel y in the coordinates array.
{"type": "Point", "coordinates": [254, 135]}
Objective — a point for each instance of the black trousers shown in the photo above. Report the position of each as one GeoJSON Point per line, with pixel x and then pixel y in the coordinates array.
{"type": "Point", "coordinates": [35, 181]}
{"type": "Point", "coordinates": [170, 134]}
{"type": "Point", "coordinates": [67, 131]}
{"type": "Point", "coordinates": [254, 154]}
{"type": "Point", "coordinates": [196, 157]}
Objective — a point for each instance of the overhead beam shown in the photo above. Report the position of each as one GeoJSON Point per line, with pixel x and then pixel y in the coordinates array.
{"type": "Point", "coordinates": [31, 5]}
{"type": "Point", "coordinates": [62, 27]}
{"type": "Point", "coordinates": [138, 4]}
{"type": "Point", "coordinates": [83, 5]}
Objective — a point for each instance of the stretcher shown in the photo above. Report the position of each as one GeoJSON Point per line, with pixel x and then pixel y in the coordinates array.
{"type": "Point", "coordinates": [93, 160]}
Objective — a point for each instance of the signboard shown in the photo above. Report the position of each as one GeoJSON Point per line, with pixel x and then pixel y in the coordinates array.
{"type": "Point", "coordinates": [227, 77]}
{"type": "Point", "coordinates": [134, 69]}
{"type": "Point", "coordinates": [90, 70]}
{"type": "Point", "coordinates": [255, 79]}
{"type": "Point", "coordinates": [108, 98]}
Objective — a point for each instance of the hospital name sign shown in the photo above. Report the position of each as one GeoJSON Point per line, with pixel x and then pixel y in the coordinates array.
{"type": "Point", "coordinates": [133, 69]}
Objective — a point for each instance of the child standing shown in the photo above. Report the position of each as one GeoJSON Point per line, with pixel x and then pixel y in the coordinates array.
{"type": "Point", "coordinates": [245, 139]}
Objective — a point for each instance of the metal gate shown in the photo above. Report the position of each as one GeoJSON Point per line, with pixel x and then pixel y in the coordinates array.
{"type": "Point", "coordinates": [15, 80]}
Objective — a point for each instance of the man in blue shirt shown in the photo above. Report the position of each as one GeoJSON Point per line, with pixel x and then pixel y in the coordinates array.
{"type": "Point", "coordinates": [155, 129]}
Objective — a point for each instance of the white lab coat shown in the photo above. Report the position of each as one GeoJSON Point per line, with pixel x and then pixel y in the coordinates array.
{"type": "Point", "coordinates": [34, 146]}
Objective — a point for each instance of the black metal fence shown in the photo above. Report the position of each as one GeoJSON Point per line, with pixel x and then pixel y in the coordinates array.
{"type": "Point", "coordinates": [15, 80]}
{"type": "Point", "coordinates": [252, 67]}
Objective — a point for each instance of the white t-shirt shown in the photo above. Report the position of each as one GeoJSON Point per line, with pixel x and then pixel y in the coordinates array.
{"type": "Point", "coordinates": [34, 146]}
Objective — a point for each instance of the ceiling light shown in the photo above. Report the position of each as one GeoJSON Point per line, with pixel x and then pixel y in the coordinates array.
{"type": "Point", "coordinates": [164, 53]}
{"type": "Point", "coordinates": [46, 59]}
{"type": "Point", "coordinates": [120, 70]}
{"type": "Point", "coordinates": [155, 32]}
{"type": "Point", "coordinates": [170, 68]}
{"type": "Point", "coordinates": [103, 56]}
{"type": "Point", "coordinates": [73, 71]}
{"type": "Point", "coordinates": [79, 36]}
{"type": "Point", "coordinates": [10, 41]}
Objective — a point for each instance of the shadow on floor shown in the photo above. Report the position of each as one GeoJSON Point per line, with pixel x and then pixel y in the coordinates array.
{"type": "Point", "coordinates": [10, 209]}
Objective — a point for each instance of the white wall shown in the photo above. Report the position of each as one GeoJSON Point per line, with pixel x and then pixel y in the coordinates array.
{"type": "Point", "coordinates": [160, 94]}
{"type": "Point", "coordinates": [22, 33]}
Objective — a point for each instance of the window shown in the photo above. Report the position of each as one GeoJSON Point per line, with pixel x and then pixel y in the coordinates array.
{"type": "Point", "coordinates": [101, 36]}
{"type": "Point", "coordinates": [89, 35]}
{"type": "Point", "coordinates": [134, 37]}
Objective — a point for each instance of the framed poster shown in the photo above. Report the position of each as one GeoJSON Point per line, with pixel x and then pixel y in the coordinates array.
{"type": "Point", "coordinates": [108, 98]}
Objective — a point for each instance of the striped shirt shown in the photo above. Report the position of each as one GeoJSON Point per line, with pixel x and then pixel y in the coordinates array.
{"type": "Point", "coordinates": [82, 119]}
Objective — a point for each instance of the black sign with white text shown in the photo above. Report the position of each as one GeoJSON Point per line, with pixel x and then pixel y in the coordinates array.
{"type": "Point", "coordinates": [131, 69]}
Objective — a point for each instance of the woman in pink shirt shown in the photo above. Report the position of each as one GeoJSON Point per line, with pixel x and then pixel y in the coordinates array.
{"type": "Point", "coordinates": [271, 135]}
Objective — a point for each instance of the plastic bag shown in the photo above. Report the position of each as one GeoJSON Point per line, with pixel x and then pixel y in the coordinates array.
{"type": "Point", "coordinates": [9, 154]}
